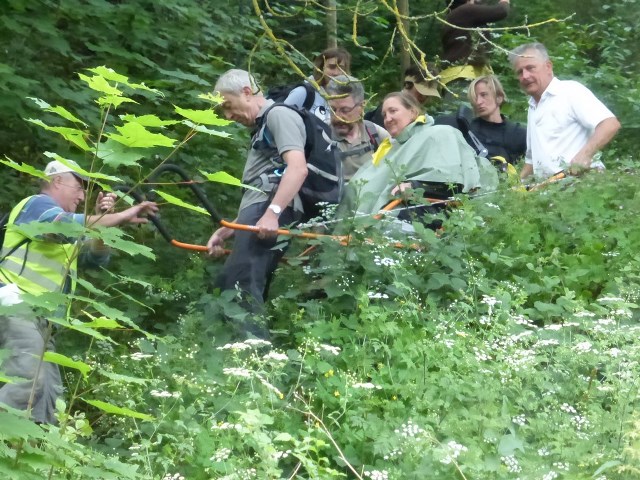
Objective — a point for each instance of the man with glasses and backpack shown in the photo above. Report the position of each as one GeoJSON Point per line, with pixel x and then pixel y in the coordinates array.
{"type": "Point", "coordinates": [356, 138]}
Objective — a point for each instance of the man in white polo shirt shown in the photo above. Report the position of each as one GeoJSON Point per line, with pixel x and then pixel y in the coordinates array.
{"type": "Point", "coordinates": [566, 124]}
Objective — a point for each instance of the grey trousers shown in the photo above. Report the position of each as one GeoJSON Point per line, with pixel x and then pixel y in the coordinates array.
{"type": "Point", "coordinates": [23, 340]}
{"type": "Point", "coordinates": [251, 264]}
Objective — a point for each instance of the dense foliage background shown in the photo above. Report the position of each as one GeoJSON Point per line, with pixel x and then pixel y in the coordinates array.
{"type": "Point", "coordinates": [504, 349]}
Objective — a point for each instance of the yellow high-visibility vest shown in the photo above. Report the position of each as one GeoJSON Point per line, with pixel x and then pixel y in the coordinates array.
{"type": "Point", "coordinates": [37, 266]}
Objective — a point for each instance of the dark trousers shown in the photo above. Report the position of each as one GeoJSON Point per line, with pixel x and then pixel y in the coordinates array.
{"type": "Point", "coordinates": [251, 264]}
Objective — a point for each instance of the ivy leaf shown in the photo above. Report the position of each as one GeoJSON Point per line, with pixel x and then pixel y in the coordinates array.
{"type": "Point", "coordinates": [115, 154]}
{"type": "Point", "coordinates": [63, 112]}
{"type": "Point", "coordinates": [204, 117]}
{"type": "Point", "coordinates": [78, 326]}
{"type": "Point", "coordinates": [111, 75]}
{"type": "Point", "coordinates": [72, 135]}
{"type": "Point", "coordinates": [82, 171]}
{"type": "Point", "coordinates": [100, 84]}
{"type": "Point", "coordinates": [148, 120]}
{"type": "Point", "coordinates": [115, 313]}
{"type": "Point", "coordinates": [136, 135]}
{"type": "Point", "coordinates": [211, 97]}
{"type": "Point", "coordinates": [224, 177]}
{"type": "Point", "coordinates": [59, 230]}
{"type": "Point", "coordinates": [115, 100]}
{"type": "Point", "coordinates": [184, 76]}
{"type": "Point", "coordinates": [114, 409]}
{"type": "Point", "coordinates": [99, 322]}
{"type": "Point", "coordinates": [203, 129]}
{"type": "Point", "coordinates": [181, 203]}
{"type": "Point", "coordinates": [64, 361]}
{"type": "Point", "coordinates": [24, 168]}
{"type": "Point", "coordinates": [114, 238]}
{"type": "Point", "coordinates": [509, 444]}
{"type": "Point", "coordinates": [14, 426]}
{"type": "Point", "coordinates": [116, 377]}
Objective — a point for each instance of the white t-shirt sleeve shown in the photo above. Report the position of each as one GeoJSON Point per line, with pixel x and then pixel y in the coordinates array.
{"type": "Point", "coordinates": [586, 108]}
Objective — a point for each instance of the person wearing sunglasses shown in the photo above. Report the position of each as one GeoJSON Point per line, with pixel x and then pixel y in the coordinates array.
{"type": "Point", "coordinates": [422, 88]}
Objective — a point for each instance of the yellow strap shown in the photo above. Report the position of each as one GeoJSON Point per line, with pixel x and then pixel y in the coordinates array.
{"type": "Point", "coordinates": [382, 151]}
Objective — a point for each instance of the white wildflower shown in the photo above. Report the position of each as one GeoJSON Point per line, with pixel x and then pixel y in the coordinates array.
{"type": "Point", "coordinates": [511, 462]}
{"type": "Point", "coordinates": [328, 348]}
{"type": "Point", "coordinates": [385, 262]}
{"type": "Point", "coordinates": [221, 455]}
{"type": "Point", "coordinates": [377, 474]}
{"type": "Point", "coordinates": [140, 356]}
{"type": "Point", "coordinates": [366, 386]}
{"type": "Point", "coordinates": [453, 449]}
{"type": "Point", "coordinates": [247, 344]}
{"type": "Point", "coordinates": [226, 426]}
{"type": "Point", "coordinates": [396, 452]}
{"type": "Point", "coordinates": [377, 295]}
{"type": "Point", "coordinates": [237, 372]}
{"type": "Point", "coordinates": [175, 476]}
{"type": "Point", "coordinates": [611, 299]}
{"type": "Point", "coordinates": [544, 452]}
{"type": "Point", "coordinates": [565, 407]}
{"type": "Point", "coordinates": [583, 347]}
{"type": "Point", "coordinates": [275, 356]}
{"type": "Point", "coordinates": [279, 455]}
{"type": "Point", "coordinates": [520, 420]}
{"type": "Point", "coordinates": [164, 394]}
{"type": "Point", "coordinates": [490, 301]}
{"type": "Point", "coordinates": [409, 430]}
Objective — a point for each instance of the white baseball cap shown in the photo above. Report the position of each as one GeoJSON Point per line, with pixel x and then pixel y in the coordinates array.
{"type": "Point", "coordinates": [56, 167]}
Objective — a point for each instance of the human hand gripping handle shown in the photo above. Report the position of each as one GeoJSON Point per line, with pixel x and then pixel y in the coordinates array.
{"type": "Point", "coordinates": [268, 225]}
{"type": "Point", "coordinates": [105, 202]}
{"type": "Point", "coordinates": [136, 214]}
{"type": "Point", "coordinates": [214, 245]}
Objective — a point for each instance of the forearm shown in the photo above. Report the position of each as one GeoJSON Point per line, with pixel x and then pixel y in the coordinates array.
{"type": "Point", "coordinates": [292, 180]}
{"type": "Point", "coordinates": [106, 220]}
{"type": "Point", "coordinates": [602, 135]}
{"type": "Point", "coordinates": [527, 170]}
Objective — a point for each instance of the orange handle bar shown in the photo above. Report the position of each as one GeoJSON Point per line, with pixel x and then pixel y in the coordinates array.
{"type": "Point", "coordinates": [280, 231]}
{"type": "Point", "coordinates": [191, 246]}
{"type": "Point", "coordinates": [552, 179]}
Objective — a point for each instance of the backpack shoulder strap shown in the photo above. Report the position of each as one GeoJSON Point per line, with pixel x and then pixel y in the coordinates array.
{"type": "Point", "coordinates": [304, 114]}
{"type": "Point", "coordinates": [311, 95]}
{"type": "Point", "coordinates": [372, 131]}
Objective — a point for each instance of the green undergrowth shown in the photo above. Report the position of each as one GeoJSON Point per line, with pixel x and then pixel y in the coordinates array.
{"type": "Point", "coordinates": [504, 346]}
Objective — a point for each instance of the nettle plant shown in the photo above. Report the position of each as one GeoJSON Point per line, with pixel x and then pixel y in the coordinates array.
{"type": "Point", "coordinates": [115, 142]}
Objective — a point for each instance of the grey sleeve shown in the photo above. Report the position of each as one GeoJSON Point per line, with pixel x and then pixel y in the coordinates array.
{"type": "Point", "coordinates": [287, 128]}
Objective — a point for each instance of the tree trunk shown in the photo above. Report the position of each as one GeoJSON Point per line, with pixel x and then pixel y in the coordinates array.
{"type": "Point", "coordinates": [332, 24]}
{"type": "Point", "coordinates": [405, 59]}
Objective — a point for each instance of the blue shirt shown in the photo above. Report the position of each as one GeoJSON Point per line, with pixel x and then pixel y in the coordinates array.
{"type": "Point", "coordinates": [43, 208]}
